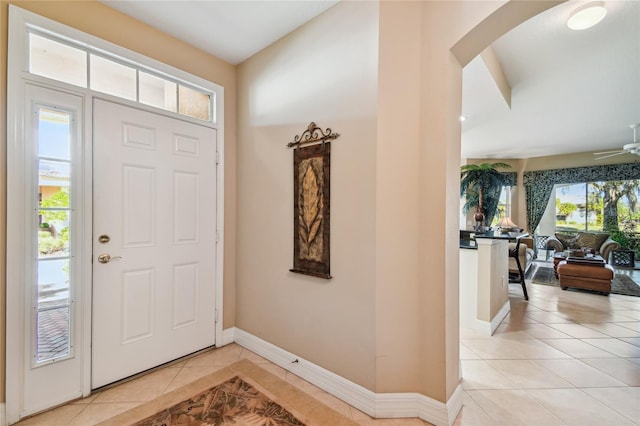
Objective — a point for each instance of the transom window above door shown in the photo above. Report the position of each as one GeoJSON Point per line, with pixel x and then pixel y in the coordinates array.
{"type": "Point", "coordinates": [80, 66]}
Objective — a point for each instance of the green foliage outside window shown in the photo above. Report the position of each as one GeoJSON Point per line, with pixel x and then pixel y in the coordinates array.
{"type": "Point", "coordinates": [608, 206]}
{"type": "Point", "coordinates": [52, 241]}
{"type": "Point", "coordinates": [565, 209]}
{"type": "Point", "coordinates": [59, 199]}
{"type": "Point", "coordinates": [48, 244]}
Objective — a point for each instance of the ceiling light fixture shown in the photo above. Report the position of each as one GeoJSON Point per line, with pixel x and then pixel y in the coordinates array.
{"type": "Point", "coordinates": [587, 15]}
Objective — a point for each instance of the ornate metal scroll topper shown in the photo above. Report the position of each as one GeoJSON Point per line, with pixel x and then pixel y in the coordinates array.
{"type": "Point", "coordinates": [313, 134]}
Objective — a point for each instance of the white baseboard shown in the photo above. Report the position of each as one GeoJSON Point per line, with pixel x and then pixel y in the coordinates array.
{"type": "Point", "coordinates": [381, 405]}
{"type": "Point", "coordinates": [482, 327]}
{"type": "Point", "coordinates": [3, 416]}
{"type": "Point", "coordinates": [503, 312]}
{"type": "Point", "coordinates": [487, 328]}
{"type": "Point", "coordinates": [228, 335]}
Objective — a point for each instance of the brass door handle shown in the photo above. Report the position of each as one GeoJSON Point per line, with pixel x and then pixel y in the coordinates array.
{"type": "Point", "coordinates": [106, 258]}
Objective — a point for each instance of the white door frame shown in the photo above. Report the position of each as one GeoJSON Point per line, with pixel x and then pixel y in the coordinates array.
{"type": "Point", "coordinates": [18, 232]}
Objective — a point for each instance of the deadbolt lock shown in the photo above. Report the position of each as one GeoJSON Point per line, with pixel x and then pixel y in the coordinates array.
{"type": "Point", "coordinates": [104, 239]}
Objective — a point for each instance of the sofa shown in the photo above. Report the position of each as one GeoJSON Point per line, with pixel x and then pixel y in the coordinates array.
{"type": "Point", "coordinates": [599, 243]}
{"type": "Point", "coordinates": [526, 254]}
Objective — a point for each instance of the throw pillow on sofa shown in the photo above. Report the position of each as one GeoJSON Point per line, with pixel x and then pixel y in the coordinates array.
{"type": "Point", "coordinates": [592, 240]}
{"type": "Point", "coordinates": [569, 241]}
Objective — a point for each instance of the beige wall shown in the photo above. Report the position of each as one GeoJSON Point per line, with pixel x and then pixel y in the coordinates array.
{"type": "Point", "coordinates": [325, 72]}
{"type": "Point", "coordinates": [94, 18]}
{"type": "Point", "coordinates": [397, 208]}
{"type": "Point", "coordinates": [392, 307]}
{"type": "Point", "coordinates": [3, 191]}
{"type": "Point", "coordinates": [492, 278]}
{"type": "Point", "coordinates": [417, 313]}
{"type": "Point", "coordinates": [417, 269]}
{"type": "Point", "coordinates": [499, 288]}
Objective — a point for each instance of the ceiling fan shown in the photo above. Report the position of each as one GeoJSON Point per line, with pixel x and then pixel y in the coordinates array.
{"type": "Point", "coordinates": [630, 148]}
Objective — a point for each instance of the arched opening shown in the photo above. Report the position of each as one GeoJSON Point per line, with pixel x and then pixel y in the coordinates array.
{"type": "Point", "coordinates": [469, 58]}
{"type": "Point", "coordinates": [479, 38]}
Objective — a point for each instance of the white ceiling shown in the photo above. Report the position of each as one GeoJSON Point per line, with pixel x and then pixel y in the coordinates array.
{"type": "Point", "coordinates": [572, 91]}
{"type": "Point", "coordinates": [232, 30]}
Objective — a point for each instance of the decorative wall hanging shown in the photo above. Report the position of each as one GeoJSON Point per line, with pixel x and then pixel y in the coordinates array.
{"type": "Point", "coordinates": [311, 189]}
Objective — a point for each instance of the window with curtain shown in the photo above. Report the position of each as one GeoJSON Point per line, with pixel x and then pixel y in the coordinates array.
{"type": "Point", "coordinates": [595, 206]}
{"type": "Point", "coordinates": [539, 185]}
{"type": "Point", "coordinates": [504, 206]}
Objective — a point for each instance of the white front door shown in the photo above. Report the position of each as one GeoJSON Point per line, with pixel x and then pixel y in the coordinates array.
{"type": "Point", "coordinates": [154, 212]}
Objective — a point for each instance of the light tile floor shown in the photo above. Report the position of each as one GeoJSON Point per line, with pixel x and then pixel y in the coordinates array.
{"type": "Point", "coordinates": [562, 358]}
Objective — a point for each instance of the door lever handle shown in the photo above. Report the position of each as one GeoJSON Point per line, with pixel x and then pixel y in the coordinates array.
{"type": "Point", "coordinates": [106, 258]}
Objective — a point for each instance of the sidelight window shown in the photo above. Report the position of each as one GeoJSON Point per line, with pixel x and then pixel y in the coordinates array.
{"type": "Point", "coordinates": [53, 218]}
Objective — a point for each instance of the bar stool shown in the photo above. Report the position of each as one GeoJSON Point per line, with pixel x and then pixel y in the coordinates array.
{"type": "Point", "coordinates": [515, 253]}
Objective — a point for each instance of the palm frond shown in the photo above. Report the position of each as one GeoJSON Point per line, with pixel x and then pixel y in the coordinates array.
{"type": "Point", "coordinates": [485, 179]}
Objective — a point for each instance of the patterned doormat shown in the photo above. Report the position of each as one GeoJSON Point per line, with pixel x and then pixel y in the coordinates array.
{"type": "Point", "coordinates": [621, 284]}
{"type": "Point", "coordinates": [234, 402]}
{"type": "Point", "coordinates": [240, 394]}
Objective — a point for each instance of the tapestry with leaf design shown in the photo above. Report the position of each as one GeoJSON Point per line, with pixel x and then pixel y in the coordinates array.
{"type": "Point", "coordinates": [311, 178]}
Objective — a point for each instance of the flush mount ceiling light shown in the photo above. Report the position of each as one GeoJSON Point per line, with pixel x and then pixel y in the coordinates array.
{"type": "Point", "coordinates": [587, 15]}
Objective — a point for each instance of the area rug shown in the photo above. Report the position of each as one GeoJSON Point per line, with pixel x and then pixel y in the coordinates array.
{"type": "Point", "coordinates": [240, 394]}
{"type": "Point", "coordinates": [621, 284]}
{"type": "Point", "coordinates": [235, 401]}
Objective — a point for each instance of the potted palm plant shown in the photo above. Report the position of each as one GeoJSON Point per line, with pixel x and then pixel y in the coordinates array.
{"type": "Point", "coordinates": [481, 184]}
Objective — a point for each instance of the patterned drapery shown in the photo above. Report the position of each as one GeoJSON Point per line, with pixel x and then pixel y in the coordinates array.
{"type": "Point", "coordinates": [538, 185]}
{"type": "Point", "coordinates": [491, 206]}
{"type": "Point", "coordinates": [510, 178]}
